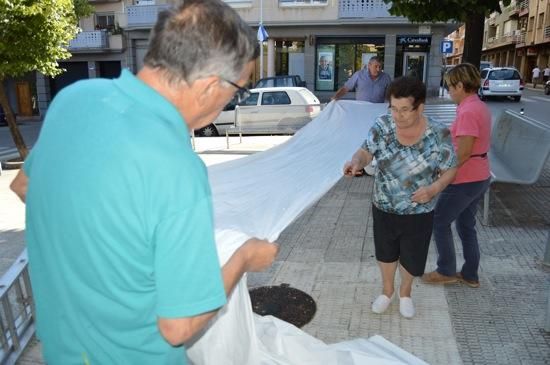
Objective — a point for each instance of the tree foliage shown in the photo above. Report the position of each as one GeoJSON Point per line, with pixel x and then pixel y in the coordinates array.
{"type": "Point", "coordinates": [34, 35]}
{"type": "Point", "coordinates": [471, 12]}
{"type": "Point", "coordinates": [443, 10]}
{"type": "Point", "coordinates": [82, 8]}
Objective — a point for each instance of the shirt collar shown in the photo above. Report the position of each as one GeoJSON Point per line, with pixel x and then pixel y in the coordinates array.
{"type": "Point", "coordinates": [148, 98]}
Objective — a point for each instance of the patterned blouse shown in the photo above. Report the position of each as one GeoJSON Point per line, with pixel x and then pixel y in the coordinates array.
{"type": "Point", "coordinates": [401, 170]}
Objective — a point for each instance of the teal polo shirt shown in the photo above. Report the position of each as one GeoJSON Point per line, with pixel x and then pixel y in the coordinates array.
{"type": "Point", "coordinates": [119, 226]}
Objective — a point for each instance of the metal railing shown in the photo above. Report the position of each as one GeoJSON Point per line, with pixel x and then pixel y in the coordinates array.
{"type": "Point", "coordinates": [363, 9]}
{"type": "Point", "coordinates": [523, 7]}
{"type": "Point", "coordinates": [547, 32]}
{"type": "Point", "coordinates": [93, 39]}
{"type": "Point", "coordinates": [17, 311]}
{"type": "Point", "coordinates": [144, 15]}
{"type": "Point", "coordinates": [302, 2]}
{"type": "Point", "coordinates": [520, 38]}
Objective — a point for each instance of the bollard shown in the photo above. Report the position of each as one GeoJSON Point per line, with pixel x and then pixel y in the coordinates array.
{"type": "Point", "coordinates": [546, 260]}
{"type": "Point", "coordinates": [547, 263]}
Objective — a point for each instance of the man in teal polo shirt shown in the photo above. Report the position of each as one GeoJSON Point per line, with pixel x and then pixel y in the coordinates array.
{"type": "Point", "coordinates": [119, 215]}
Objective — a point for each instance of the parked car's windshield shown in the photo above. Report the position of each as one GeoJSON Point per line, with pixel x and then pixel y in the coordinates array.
{"type": "Point", "coordinates": [504, 75]}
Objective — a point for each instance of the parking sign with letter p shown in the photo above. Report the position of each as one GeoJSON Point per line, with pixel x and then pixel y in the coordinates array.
{"type": "Point", "coordinates": [446, 46]}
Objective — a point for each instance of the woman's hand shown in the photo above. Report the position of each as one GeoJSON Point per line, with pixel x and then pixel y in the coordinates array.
{"type": "Point", "coordinates": [424, 194]}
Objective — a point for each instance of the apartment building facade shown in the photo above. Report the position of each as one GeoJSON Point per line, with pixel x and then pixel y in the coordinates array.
{"type": "Point", "coordinates": [519, 36]}
{"type": "Point", "coordinates": [346, 33]}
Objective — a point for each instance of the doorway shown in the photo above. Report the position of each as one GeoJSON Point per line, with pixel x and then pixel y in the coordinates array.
{"type": "Point", "coordinates": [24, 98]}
{"type": "Point", "coordinates": [414, 64]}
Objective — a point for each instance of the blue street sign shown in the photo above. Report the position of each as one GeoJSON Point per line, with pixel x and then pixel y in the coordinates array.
{"type": "Point", "coordinates": [446, 46]}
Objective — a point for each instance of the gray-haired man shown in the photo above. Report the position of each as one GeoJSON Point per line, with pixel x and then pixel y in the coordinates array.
{"type": "Point", "coordinates": [370, 83]}
{"type": "Point", "coordinates": [120, 235]}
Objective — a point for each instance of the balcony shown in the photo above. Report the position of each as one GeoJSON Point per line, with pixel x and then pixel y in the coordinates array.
{"type": "Point", "coordinates": [493, 19]}
{"type": "Point", "coordinates": [291, 3]}
{"type": "Point", "coordinates": [96, 41]}
{"type": "Point", "coordinates": [547, 33]}
{"type": "Point", "coordinates": [363, 9]}
{"type": "Point", "coordinates": [519, 38]}
{"type": "Point", "coordinates": [239, 3]}
{"type": "Point", "coordinates": [144, 16]}
{"type": "Point", "coordinates": [523, 7]}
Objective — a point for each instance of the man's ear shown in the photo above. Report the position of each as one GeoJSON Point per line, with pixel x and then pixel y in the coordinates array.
{"type": "Point", "coordinates": [205, 88]}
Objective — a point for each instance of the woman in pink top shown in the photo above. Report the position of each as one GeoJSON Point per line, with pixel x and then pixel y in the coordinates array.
{"type": "Point", "coordinates": [471, 134]}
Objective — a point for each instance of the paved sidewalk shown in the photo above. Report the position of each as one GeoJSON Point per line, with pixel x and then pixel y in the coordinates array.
{"type": "Point", "coordinates": [328, 252]}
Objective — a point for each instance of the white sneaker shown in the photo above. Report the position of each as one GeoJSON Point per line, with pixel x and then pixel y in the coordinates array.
{"type": "Point", "coordinates": [381, 303]}
{"type": "Point", "coordinates": [406, 307]}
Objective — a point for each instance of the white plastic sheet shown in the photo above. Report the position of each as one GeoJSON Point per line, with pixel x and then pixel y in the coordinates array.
{"type": "Point", "coordinates": [260, 195]}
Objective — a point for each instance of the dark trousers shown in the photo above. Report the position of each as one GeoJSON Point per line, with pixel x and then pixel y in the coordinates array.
{"type": "Point", "coordinates": [458, 203]}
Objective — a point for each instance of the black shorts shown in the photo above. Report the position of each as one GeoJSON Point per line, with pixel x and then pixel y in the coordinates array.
{"type": "Point", "coordinates": [402, 237]}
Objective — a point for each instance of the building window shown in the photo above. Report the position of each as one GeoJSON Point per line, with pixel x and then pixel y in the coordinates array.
{"type": "Point", "coordinates": [337, 59]}
{"type": "Point", "coordinates": [541, 21]}
{"type": "Point", "coordinates": [105, 21]}
{"type": "Point", "coordinates": [531, 23]}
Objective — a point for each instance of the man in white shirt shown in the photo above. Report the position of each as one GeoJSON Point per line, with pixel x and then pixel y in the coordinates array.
{"type": "Point", "coordinates": [536, 76]}
{"type": "Point", "coordinates": [546, 74]}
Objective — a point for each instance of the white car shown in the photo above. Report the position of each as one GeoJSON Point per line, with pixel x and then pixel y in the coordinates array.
{"type": "Point", "coordinates": [272, 110]}
{"type": "Point", "coordinates": [501, 81]}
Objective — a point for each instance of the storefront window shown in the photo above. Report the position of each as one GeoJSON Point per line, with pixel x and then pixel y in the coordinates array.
{"type": "Point", "coordinates": [337, 59]}
{"type": "Point", "coordinates": [285, 52]}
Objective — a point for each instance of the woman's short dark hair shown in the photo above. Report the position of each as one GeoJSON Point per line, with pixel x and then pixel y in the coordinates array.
{"type": "Point", "coordinates": [408, 87]}
{"type": "Point", "coordinates": [201, 38]}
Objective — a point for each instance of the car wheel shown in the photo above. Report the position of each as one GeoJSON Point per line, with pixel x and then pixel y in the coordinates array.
{"type": "Point", "coordinates": [481, 96]}
{"type": "Point", "coordinates": [208, 131]}
{"type": "Point", "coordinates": [547, 90]}
{"type": "Point", "coordinates": [517, 98]}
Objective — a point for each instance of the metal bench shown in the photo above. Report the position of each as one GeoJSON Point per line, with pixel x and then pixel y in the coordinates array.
{"type": "Point", "coordinates": [520, 147]}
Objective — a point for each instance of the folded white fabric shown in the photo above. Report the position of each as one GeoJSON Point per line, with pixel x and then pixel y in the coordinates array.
{"type": "Point", "coordinates": [260, 195]}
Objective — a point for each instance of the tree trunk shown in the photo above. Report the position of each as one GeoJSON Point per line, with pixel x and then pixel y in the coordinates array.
{"type": "Point", "coordinates": [473, 39]}
{"type": "Point", "coordinates": [14, 129]}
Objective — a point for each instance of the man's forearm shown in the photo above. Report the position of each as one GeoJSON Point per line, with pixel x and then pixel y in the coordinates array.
{"type": "Point", "coordinates": [341, 92]}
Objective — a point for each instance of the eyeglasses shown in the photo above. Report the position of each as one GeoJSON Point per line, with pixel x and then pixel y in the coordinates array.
{"type": "Point", "coordinates": [242, 93]}
{"type": "Point", "coordinates": [405, 110]}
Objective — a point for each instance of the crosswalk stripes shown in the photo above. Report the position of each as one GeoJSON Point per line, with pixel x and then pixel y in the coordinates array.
{"type": "Point", "coordinates": [444, 113]}
{"type": "Point", "coordinates": [541, 98]}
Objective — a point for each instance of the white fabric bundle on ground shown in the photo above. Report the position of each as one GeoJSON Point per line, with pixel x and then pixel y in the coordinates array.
{"type": "Point", "coordinates": [260, 195]}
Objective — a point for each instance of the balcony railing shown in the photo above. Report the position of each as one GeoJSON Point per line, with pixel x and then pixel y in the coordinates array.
{"type": "Point", "coordinates": [523, 7]}
{"type": "Point", "coordinates": [17, 311]}
{"type": "Point", "coordinates": [547, 32]}
{"type": "Point", "coordinates": [88, 40]}
{"type": "Point", "coordinates": [144, 15]}
{"type": "Point", "coordinates": [519, 38]}
{"type": "Point", "coordinates": [284, 3]}
{"type": "Point", "coordinates": [363, 9]}
{"type": "Point", "coordinates": [504, 39]}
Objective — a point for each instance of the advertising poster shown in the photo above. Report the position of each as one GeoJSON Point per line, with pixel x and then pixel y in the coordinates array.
{"type": "Point", "coordinates": [325, 68]}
